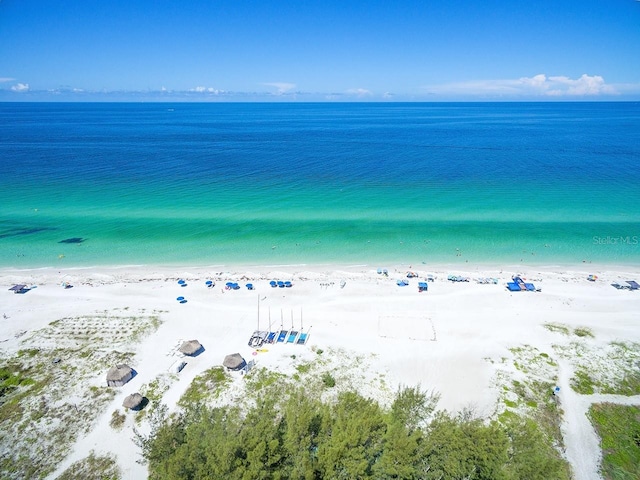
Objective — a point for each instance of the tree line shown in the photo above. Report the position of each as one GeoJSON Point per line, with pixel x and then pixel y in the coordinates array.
{"type": "Point", "coordinates": [301, 437]}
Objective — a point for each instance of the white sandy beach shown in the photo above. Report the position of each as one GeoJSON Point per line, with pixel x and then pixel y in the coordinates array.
{"type": "Point", "coordinates": [453, 339]}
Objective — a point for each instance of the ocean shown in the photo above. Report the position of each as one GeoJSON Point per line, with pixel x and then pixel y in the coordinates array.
{"type": "Point", "coordinates": [87, 184]}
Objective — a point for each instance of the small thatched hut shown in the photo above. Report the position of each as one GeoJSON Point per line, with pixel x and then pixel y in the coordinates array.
{"type": "Point", "coordinates": [133, 401]}
{"type": "Point", "coordinates": [234, 362]}
{"type": "Point", "coordinates": [119, 375]}
{"type": "Point", "coordinates": [191, 347]}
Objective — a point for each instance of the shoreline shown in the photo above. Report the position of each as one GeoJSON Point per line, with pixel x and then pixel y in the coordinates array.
{"type": "Point", "coordinates": [470, 268]}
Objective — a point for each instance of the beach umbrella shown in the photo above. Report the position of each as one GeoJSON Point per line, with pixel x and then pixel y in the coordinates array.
{"type": "Point", "coordinates": [180, 299]}
{"type": "Point", "coordinates": [208, 282]}
{"type": "Point", "coordinates": [234, 361]}
{"type": "Point", "coordinates": [190, 347]}
{"type": "Point", "coordinates": [181, 282]}
{"type": "Point", "coordinates": [133, 401]}
{"type": "Point", "coordinates": [119, 375]}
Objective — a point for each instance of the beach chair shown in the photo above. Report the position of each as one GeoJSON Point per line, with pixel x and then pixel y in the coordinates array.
{"type": "Point", "coordinates": [423, 287]}
{"type": "Point", "coordinates": [292, 336]}
{"type": "Point", "coordinates": [302, 339]}
{"type": "Point", "coordinates": [271, 338]}
{"type": "Point", "coordinates": [282, 336]}
{"type": "Point", "coordinates": [19, 289]}
{"type": "Point", "coordinates": [513, 287]}
{"type": "Point", "coordinates": [633, 285]}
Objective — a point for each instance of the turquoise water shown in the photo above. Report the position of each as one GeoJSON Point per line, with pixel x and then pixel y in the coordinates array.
{"type": "Point", "coordinates": [213, 184]}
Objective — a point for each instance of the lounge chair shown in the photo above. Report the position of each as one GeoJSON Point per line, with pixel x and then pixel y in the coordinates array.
{"type": "Point", "coordinates": [282, 336]}
{"type": "Point", "coordinates": [19, 289]}
{"type": "Point", "coordinates": [292, 336]}
{"type": "Point", "coordinates": [302, 339]}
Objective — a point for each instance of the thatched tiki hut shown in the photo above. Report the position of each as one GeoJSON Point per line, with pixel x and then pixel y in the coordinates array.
{"type": "Point", "coordinates": [234, 362]}
{"type": "Point", "coordinates": [119, 375]}
{"type": "Point", "coordinates": [133, 401]}
{"type": "Point", "coordinates": [191, 347]}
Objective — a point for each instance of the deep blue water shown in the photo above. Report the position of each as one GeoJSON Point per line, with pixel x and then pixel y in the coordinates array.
{"type": "Point", "coordinates": [205, 184]}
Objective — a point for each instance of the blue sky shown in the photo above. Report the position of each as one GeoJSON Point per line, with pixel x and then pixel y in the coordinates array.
{"type": "Point", "coordinates": [235, 50]}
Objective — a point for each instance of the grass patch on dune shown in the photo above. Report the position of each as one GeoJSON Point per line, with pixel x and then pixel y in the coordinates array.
{"type": "Point", "coordinates": [610, 369]}
{"type": "Point", "coordinates": [208, 385]}
{"type": "Point", "coordinates": [93, 467]}
{"type": "Point", "coordinates": [557, 328]}
{"type": "Point", "coordinates": [49, 395]}
{"type": "Point", "coordinates": [619, 429]}
{"type": "Point", "coordinates": [527, 407]}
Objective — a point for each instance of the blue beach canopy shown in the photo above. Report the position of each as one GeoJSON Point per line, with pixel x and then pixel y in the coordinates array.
{"type": "Point", "coordinates": [250, 286]}
{"type": "Point", "coordinates": [273, 283]}
{"type": "Point", "coordinates": [180, 298]}
{"type": "Point", "coordinates": [208, 282]}
{"type": "Point", "coordinates": [181, 282]}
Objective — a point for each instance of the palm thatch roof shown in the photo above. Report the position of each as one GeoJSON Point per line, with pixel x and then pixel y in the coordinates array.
{"type": "Point", "coordinates": [133, 401]}
{"type": "Point", "coordinates": [234, 361]}
{"type": "Point", "coordinates": [190, 347]}
{"type": "Point", "coordinates": [119, 375]}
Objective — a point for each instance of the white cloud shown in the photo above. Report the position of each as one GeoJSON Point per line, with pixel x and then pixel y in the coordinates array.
{"type": "Point", "coordinates": [539, 85]}
{"type": "Point", "coordinates": [281, 87]}
{"type": "Point", "coordinates": [6, 79]}
{"type": "Point", "coordinates": [212, 90]}
{"type": "Point", "coordinates": [359, 92]}
{"type": "Point", "coordinates": [20, 87]}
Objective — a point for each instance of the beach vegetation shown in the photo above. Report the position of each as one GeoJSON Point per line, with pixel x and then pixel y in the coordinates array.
{"type": "Point", "coordinates": [301, 436]}
{"type": "Point", "coordinates": [303, 367]}
{"type": "Point", "coordinates": [92, 467]}
{"type": "Point", "coordinates": [582, 383]}
{"type": "Point", "coordinates": [557, 328]}
{"type": "Point", "coordinates": [209, 384]}
{"type": "Point", "coordinates": [583, 332]}
{"type": "Point", "coordinates": [328, 380]}
{"type": "Point", "coordinates": [618, 427]}
{"type": "Point", "coordinates": [29, 352]}
{"type": "Point", "coordinates": [262, 379]}
{"type": "Point", "coordinates": [117, 420]}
